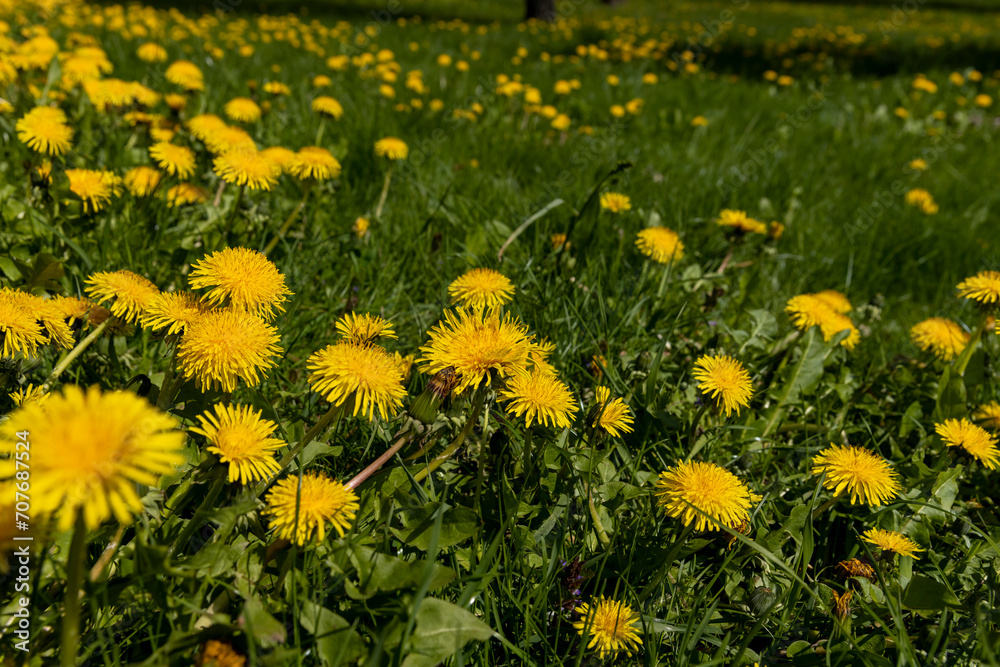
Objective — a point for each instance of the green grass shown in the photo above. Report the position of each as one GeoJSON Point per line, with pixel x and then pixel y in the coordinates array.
{"type": "Point", "coordinates": [473, 564]}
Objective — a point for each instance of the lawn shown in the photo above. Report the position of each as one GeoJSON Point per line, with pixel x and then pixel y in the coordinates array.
{"type": "Point", "coordinates": [408, 333]}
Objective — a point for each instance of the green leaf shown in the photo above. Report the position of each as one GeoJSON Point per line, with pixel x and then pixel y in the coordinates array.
{"type": "Point", "coordinates": [379, 573]}
{"type": "Point", "coordinates": [924, 593]}
{"type": "Point", "coordinates": [45, 273]}
{"type": "Point", "coordinates": [336, 642]}
{"type": "Point", "coordinates": [268, 630]}
{"type": "Point", "coordinates": [457, 525]}
{"type": "Point", "coordinates": [442, 630]}
{"type": "Point", "coordinates": [765, 327]}
{"type": "Point", "coordinates": [798, 647]}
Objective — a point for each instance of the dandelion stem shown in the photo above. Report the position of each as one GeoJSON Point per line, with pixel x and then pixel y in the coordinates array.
{"type": "Point", "coordinates": [203, 510]}
{"type": "Point", "coordinates": [481, 476]}
{"type": "Point", "coordinates": [291, 218]}
{"type": "Point", "coordinates": [373, 467]}
{"type": "Point", "coordinates": [234, 212]}
{"type": "Point", "coordinates": [602, 536]}
{"type": "Point", "coordinates": [526, 453]}
{"type": "Point", "coordinates": [963, 361]}
{"type": "Point", "coordinates": [74, 353]}
{"type": "Point", "coordinates": [385, 194]}
{"type": "Point", "coordinates": [70, 642]}
{"type": "Point", "coordinates": [827, 505]}
{"type": "Point", "coordinates": [108, 553]}
{"type": "Point", "coordinates": [694, 429]}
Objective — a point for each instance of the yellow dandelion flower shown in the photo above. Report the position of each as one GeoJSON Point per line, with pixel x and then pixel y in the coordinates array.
{"type": "Point", "coordinates": [362, 329]}
{"type": "Point", "coordinates": [725, 381]}
{"type": "Point", "coordinates": [131, 293]}
{"type": "Point", "coordinates": [186, 193]}
{"type": "Point", "coordinates": [328, 106]}
{"type": "Point", "coordinates": [888, 540]}
{"type": "Point", "coordinates": [95, 187]}
{"type": "Point", "coordinates": [243, 110]}
{"type": "Point", "coordinates": [660, 244]}
{"type": "Point", "coordinates": [238, 435]}
{"type": "Point", "coordinates": [867, 476]}
{"type": "Point", "coordinates": [944, 338]}
{"type": "Point", "coordinates": [611, 415]}
{"type": "Point", "coordinates": [142, 181]}
{"type": "Point", "coordinates": [29, 395]}
{"type": "Point", "coordinates": [176, 160]}
{"type": "Point", "coordinates": [984, 287]}
{"type": "Point", "coordinates": [360, 227]}
{"type": "Point", "coordinates": [89, 449]}
{"type": "Point", "coordinates": [481, 288]}
{"type": "Point", "coordinates": [20, 328]}
{"type": "Point", "coordinates": [366, 372]}
{"type": "Point", "coordinates": [185, 74]}
{"type": "Point", "coordinates": [561, 122]}
{"type": "Point", "coordinates": [223, 346]}
{"type": "Point", "coordinates": [72, 308]}
{"type": "Point", "coordinates": [974, 439]}
{"type": "Point", "coordinates": [46, 311]}
{"type": "Point", "coordinates": [173, 311]}
{"type": "Point", "coordinates": [611, 625]}
{"type": "Point", "coordinates": [301, 513]}
{"type": "Point", "coordinates": [740, 221]}
{"type": "Point", "coordinates": [392, 148]}
{"type": "Point", "coordinates": [277, 88]}
{"type": "Point", "coordinates": [920, 198]}
{"type": "Point", "coordinates": [229, 138]}
{"type": "Point", "coordinates": [807, 310]}
{"type": "Point", "coordinates": [833, 323]}
{"type": "Point", "coordinates": [280, 156]}
{"type": "Point", "coordinates": [321, 81]}
{"type": "Point", "coordinates": [205, 125]}
{"type": "Point", "coordinates": [558, 240]}
{"type": "Point", "coordinates": [540, 397]}
{"type": "Point", "coordinates": [151, 52]}
{"type": "Point", "coordinates": [477, 343]}
{"type": "Point", "coordinates": [835, 300]}
{"type": "Point", "coordinates": [247, 167]}
{"type": "Point", "coordinates": [918, 164]}
{"type": "Point", "coordinates": [404, 364]}
{"type": "Point", "coordinates": [699, 121]}
{"type": "Point", "coordinates": [615, 202]}
{"type": "Point", "coordinates": [988, 416]}
{"type": "Point", "coordinates": [243, 279]}
{"type": "Point", "coordinates": [44, 130]}
{"type": "Point", "coordinates": [705, 494]}
{"type": "Point", "coordinates": [314, 162]}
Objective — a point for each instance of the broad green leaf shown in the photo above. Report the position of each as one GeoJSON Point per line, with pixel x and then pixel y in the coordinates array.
{"type": "Point", "coordinates": [379, 573]}
{"type": "Point", "coordinates": [442, 629]}
{"type": "Point", "coordinates": [924, 593]}
{"type": "Point", "coordinates": [268, 630]}
{"type": "Point", "coordinates": [457, 525]}
{"type": "Point", "coordinates": [336, 642]}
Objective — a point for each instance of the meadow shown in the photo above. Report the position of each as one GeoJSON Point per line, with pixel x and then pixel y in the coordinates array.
{"type": "Point", "coordinates": [345, 333]}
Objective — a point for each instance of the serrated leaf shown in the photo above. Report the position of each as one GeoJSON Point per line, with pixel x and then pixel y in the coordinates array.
{"type": "Point", "coordinates": [268, 630]}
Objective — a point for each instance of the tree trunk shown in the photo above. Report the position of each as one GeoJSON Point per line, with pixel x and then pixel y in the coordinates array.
{"type": "Point", "coordinates": [543, 10]}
